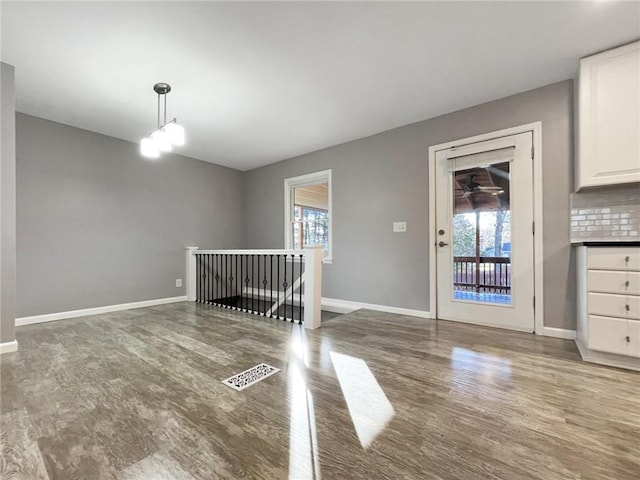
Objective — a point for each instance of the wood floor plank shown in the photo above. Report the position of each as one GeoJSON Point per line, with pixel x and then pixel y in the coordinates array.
{"type": "Point", "coordinates": [370, 395]}
{"type": "Point", "coordinates": [20, 456]}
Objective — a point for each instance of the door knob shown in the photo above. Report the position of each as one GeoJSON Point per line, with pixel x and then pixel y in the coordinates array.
{"type": "Point", "coordinates": [442, 244]}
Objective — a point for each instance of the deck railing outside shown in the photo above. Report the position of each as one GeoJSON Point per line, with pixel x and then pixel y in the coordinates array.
{"type": "Point", "coordinates": [281, 284]}
{"type": "Point", "coordinates": [482, 274]}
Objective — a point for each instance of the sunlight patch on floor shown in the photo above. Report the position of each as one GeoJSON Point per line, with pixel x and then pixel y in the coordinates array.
{"type": "Point", "coordinates": [368, 405]}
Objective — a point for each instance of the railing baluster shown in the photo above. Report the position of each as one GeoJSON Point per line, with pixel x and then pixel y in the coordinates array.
{"type": "Point", "coordinates": [258, 277]}
{"type": "Point", "coordinates": [278, 287]}
{"type": "Point", "coordinates": [205, 278]}
{"type": "Point", "coordinates": [252, 283]}
{"type": "Point", "coordinates": [293, 265]}
{"type": "Point", "coordinates": [208, 280]}
{"type": "Point", "coordinates": [235, 286]}
{"type": "Point", "coordinates": [245, 280]}
{"type": "Point", "coordinates": [284, 287]}
{"type": "Point", "coordinates": [223, 283]}
{"type": "Point", "coordinates": [271, 284]}
{"type": "Point", "coordinates": [300, 291]}
{"type": "Point", "coordinates": [227, 286]}
{"type": "Point", "coordinates": [198, 276]}
{"type": "Point", "coordinates": [264, 285]}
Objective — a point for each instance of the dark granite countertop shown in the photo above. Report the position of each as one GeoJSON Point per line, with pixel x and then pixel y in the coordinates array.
{"type": "Point", "coordinates": [600, 243]}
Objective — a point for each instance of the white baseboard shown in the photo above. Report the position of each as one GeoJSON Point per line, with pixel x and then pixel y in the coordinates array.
{"type": "Point", "coordinates": [559, 333]}
{"type": "Point", "coordinates": [347, 306]}
{"type": "Point", "coordinates": [8, 347]}
{"type": "Point", "coordinates": [50, 317]}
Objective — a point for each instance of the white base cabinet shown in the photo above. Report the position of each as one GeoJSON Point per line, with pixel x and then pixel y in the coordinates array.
{"type": "Point", "coordinates": [609, 305]}
{"type": "Point", "coordinates": [608, 119]}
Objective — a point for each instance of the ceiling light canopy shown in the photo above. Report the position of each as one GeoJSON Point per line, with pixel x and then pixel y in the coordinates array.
{"type": "Point", "coordinates": [168, 134]}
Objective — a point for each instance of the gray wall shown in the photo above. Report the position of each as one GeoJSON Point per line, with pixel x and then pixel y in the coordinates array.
{"type": "Point", "coordinates": [384, 178]}
{"type": "Point", "coordinates": [100, 225]}
{"type": "Point", "coordinates": [7, 204]}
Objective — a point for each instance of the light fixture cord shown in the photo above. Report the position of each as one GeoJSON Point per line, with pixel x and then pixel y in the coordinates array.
{"type": "Point", "coordinates": [165, 109]}
{"type": "Point", "coordinates": [158, 110]}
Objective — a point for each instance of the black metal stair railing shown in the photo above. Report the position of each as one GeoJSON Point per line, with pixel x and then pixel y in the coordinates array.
{"type": "Point", "coordinates": [266, 284]}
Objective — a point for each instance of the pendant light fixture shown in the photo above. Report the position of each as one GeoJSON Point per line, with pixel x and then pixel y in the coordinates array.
{"type": "Point", "coordinates": [168, 134]}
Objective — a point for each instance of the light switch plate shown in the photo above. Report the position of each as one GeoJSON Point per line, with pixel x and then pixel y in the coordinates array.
{"type": "Point", "coordinates": [399, 227]}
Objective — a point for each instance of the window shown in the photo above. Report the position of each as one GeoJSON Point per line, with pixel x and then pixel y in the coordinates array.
{"type": "Point", "coordinates": [307, 203]}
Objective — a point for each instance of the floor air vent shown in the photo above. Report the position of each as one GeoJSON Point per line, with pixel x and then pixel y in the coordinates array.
{"type": "Point", "coordinates": [253, 375]}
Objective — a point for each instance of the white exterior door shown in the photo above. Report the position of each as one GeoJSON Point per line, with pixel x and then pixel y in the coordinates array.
{"type": "Point", "coordinates": [484, 233]}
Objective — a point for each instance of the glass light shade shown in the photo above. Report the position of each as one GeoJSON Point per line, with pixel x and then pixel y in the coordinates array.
{"type": "Point", "coordinates": [175, 133]}
{"type": "Point", "coordinates": [162, 140]}
{"type": "Point", "coordinates": [148, 148]}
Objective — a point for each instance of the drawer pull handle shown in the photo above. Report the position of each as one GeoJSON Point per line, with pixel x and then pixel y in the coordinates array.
{"type": "Point", "coordinates": [626, 307]}
{"type": "Point", "coordinates": [627, 338]}
{"type": "Point", "coordinates": [626, 259]}
{"type": "Point", "coordinates": [626, 284]}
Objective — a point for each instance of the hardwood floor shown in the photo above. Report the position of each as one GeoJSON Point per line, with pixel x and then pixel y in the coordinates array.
{"type": "Point", "coordinates": [138, 395]}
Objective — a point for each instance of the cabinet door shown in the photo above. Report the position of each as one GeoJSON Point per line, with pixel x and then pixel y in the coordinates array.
{"type": "Point", "coordinates": [609, 117]}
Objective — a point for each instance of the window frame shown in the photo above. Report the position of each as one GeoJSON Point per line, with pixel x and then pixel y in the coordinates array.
{"type": "Point", "coordinates": [323, 176]}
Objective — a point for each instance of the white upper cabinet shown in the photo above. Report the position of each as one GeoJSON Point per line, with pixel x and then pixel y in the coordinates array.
{"type": "Point", "coordinates": [608, 143]}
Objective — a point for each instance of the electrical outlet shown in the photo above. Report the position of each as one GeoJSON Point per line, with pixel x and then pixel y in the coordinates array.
{"type": "Point", "coordinates": [399, 227]}
{"type": "Point", "coordinates": [178, 282]}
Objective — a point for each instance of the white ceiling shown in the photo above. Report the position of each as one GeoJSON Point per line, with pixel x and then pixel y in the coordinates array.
{"type": "Point", "coordinates": [254, 83]}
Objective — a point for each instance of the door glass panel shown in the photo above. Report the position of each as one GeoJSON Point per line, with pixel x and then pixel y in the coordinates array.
{"type": "Point", "coordinates": [482, 234]}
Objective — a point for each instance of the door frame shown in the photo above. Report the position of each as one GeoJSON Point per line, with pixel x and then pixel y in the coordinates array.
{"type": "Point", "coordinates": [535, 129]}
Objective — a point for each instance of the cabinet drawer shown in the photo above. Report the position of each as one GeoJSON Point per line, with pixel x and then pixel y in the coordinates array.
{"type": "Point", "coordinates": [614, 335]}
{"type": "Point", "coordinates": [606, 281]}
{"type": "Point", "coordinates": [613, 258]}
{"type": "Point", "coordinates": [610, 305]}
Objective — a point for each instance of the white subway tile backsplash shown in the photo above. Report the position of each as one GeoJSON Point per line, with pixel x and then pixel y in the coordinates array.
{"type": "Point", "coordinates": [612, 212]}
